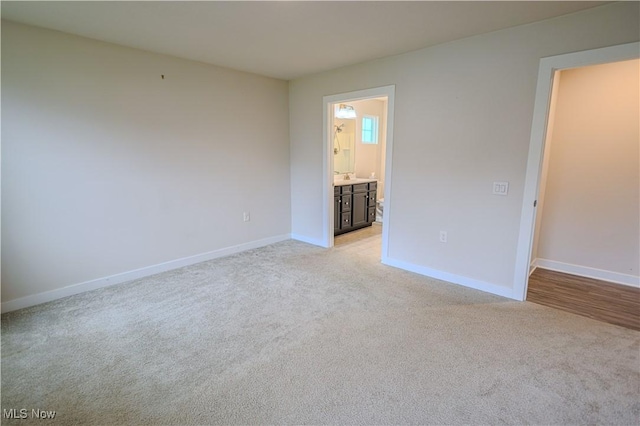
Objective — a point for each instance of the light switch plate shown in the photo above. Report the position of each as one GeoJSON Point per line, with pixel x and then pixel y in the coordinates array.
{"type": "Point", "coordinates": [500, 188]}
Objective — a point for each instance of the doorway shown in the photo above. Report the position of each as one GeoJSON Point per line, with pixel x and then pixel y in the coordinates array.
{"type": "Point", "coordinates": [549, 74]}
{"type": "Point", "coordinates": [369, 112]}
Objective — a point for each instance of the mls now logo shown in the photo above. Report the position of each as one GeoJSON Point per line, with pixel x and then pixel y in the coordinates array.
{"type": "Point", "coordinates": [23, 413]}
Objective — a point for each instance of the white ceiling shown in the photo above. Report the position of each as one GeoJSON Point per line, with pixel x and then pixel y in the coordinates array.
{"type": "Point", "coordinates": [286, 39]}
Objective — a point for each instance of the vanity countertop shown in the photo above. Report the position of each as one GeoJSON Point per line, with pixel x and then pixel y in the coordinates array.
{"type": "Point", "coordinates": [352, 181]}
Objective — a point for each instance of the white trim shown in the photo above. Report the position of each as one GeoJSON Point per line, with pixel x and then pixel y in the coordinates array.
{"type": "Point", "coordinates": [36, 299]}
{"type": "Point", "coordinates": [327, 162]}
{"type": "Point", "coordinates": [585, 271]}
{"type": "Point", "coordinates": [304, 239]}
{"type": "Point", "coordinates": [451, 278]}
{"type": "Point", "coordinates": [548, 67]}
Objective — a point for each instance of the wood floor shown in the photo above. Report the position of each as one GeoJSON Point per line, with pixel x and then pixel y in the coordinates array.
{"type": "Point", "coordinates": [613, 303]}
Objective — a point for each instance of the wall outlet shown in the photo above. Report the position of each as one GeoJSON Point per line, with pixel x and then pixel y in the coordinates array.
{"type": "Point", "coordinates": [246, 216]}
{"type": "Point", "coordinates": [443, 236]}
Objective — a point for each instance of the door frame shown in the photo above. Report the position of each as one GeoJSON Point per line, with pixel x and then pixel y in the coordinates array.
{"type": "Point", "coordinates": [327, 186]}
{"type": "Point", "coordinates": [546, 72]}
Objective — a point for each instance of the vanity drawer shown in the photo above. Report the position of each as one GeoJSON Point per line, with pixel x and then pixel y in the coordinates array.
{"type": "Point", "coordinates": [336, 190]}
{"type": "Point", "coordinates": [372, 199]}
{"type": "Point", "coordinates": [345, 202]}
{"type": "Point", "coordinates": [346, 220]}
{"type": "Point", "coordinates": [371, 217]}
{"type": "Point", "coordinates": [373, 186]}
{"type": "Point", "coordinates": [345, 189]}
{"type": "Point", "coordinates": [361, 187]}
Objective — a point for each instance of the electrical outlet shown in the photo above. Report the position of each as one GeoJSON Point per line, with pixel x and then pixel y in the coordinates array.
{"type": "Point", "coordinates": [246, 216]}
{"type": "Point", "coordinates": [443, 236]}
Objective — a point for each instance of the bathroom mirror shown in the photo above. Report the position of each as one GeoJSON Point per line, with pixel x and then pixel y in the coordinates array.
{"type": "Point", "coordinates": [344, 153]}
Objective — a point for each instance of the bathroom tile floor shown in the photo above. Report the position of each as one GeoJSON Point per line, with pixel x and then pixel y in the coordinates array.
{"type": "Point", "coordinates": [365, 241]}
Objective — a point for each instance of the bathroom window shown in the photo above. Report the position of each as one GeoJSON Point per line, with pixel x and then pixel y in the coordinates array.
{"type": "Point", "coordinates": [370, 129]}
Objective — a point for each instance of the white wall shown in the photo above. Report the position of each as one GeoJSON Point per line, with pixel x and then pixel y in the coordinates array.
{"type": "Point", "coordinates": [107, 168]}
{"type": "Point", "coordinates": [463, 114]}
{"type": "Point", "coordinates": [592, 198]}
{"type": "Point", "coordinates": [367, 155]}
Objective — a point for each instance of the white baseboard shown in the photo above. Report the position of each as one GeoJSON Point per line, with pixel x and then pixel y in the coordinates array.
{"type": "Point", "coordinates": [585, 271]}
{"type": "Point", "coordinates": [452, 278]}
{"type": "Point", "coordinates": [36, 299]}
{"type": "Point", "coordinates": [533, 266]}
{"type": "Point", "coordinates": [307, 240]}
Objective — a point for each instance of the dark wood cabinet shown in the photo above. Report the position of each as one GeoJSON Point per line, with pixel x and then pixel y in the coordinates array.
{"type": "Point", "coordinates": [360, 208]}
{"type": "Point", "coordinates": [354, 206]}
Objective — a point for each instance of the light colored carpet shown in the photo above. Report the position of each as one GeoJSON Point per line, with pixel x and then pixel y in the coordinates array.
{"type": "Point", "coordinates": [297, 334]}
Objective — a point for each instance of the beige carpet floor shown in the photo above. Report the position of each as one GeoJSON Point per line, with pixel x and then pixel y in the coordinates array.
{"type": "Point", "coordinates": [296, 334]}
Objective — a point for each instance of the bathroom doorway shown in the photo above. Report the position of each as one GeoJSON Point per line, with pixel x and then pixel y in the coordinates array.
{"type": "Point", "coordinates": [358, 140]}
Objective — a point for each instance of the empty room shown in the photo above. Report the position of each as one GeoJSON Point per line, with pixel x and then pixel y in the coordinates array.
{"type": "Point", "coordinates": [310, 212]}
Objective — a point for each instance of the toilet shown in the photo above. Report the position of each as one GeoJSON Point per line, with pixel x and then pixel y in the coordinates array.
{"type": "Point", "coordinates": [379, 208]}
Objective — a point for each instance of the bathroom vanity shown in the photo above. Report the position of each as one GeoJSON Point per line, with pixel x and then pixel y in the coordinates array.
{"type": "Point", "coordinates": [354, 204]}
